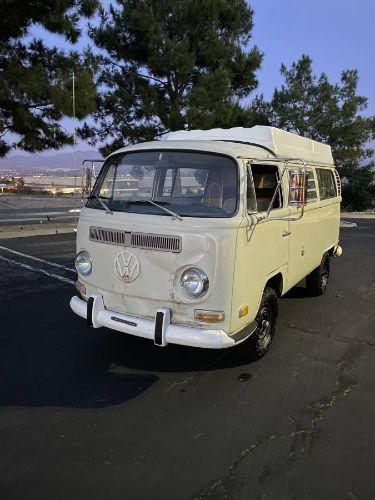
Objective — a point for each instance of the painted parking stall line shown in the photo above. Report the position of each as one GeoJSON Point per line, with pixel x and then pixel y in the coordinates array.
{"type": "Point", "coordinates": [37, 269]}
{"type": "Point", "coordinates": [37, 259]}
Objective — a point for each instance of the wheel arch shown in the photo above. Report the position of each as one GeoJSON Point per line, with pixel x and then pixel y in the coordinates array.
{"type": "Point", "coordinates": [329, 251]}
{"type": "Point", "coordinates": [276, 282]}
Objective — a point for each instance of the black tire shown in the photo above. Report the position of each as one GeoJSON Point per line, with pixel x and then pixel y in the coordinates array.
{"type": "Point", "coordinates": [257, 345]}
{"type": "Point", "coordinates": [317, 280]}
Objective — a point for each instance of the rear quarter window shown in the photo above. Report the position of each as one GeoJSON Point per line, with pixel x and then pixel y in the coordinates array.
{"type": "Point", "coordinates": [326, 183]}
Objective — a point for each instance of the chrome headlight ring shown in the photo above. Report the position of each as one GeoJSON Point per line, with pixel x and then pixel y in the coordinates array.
{"type": "Point", "coordinates": [194, 281]}
{"type": "Point", "coordinates": [83, 263]}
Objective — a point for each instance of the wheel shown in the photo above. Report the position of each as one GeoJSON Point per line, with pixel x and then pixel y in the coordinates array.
{"type": "Point", "coordinates": [256, 346]}
{"type": "Point", "coordinates": [317, 280]}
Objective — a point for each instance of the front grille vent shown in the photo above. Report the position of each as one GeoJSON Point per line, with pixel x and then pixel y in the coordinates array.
{"type": "Point", "coordinates": [161, 242]}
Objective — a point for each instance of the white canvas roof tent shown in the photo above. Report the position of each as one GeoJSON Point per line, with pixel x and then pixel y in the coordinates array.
{"type": "Point", "coordinates": [274, 140]}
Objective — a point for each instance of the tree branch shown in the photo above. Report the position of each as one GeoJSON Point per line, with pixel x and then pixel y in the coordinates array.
{"type": "Point", "coordinates": [148, 77]}
{"type": "Point", "coordinates": [5, 131]}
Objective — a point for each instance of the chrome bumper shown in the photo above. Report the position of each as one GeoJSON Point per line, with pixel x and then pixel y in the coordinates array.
{"type": "Point", "coordinates": [160, 330]}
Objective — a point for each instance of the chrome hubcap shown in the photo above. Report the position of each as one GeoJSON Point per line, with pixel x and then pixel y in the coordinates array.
{"type": "Point", "coordinates": [264, 328]}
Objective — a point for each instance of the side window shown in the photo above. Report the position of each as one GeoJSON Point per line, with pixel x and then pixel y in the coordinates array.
{"type": "Point", "coordinates": [265, 178]}
{"type": "Point", "coordinates": [311, 193]}
{"type": "Point", "coordinates": [185, 182]}
{"type": "Point", "coordinates": [168, 181]}
{"type": "Point", "coordinates": [326, 182]}
{"type": "Point", "coordinates": [106, 189]}
{"type": "Point", "coordinates": [194, 181]}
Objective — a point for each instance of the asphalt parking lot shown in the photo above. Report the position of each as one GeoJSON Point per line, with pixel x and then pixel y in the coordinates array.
{"type": "Point", "coordinates": [91, 414]}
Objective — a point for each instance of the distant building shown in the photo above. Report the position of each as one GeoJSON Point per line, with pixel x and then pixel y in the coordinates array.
{"type": "Point", "coordinates": [54, 184]}
{"type": "Point", "coordinates": [10, 183]}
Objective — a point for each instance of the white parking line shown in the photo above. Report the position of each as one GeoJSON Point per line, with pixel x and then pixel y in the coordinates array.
{"type": "Point", "coordinates": [37, 259]}
{"type": "Point", "coordinates": [36, 269]}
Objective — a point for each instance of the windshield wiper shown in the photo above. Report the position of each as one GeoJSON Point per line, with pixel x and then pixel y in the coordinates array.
{"type": "Point", "coordinates": [175, 215]}
{"type": "Point", "coordinates": [100, 200]}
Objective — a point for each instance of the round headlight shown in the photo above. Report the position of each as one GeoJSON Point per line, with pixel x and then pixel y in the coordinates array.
{"type": "Point", "coordinates": [83, 263]}
{"type": "Point", "coordinates": [194, 281]}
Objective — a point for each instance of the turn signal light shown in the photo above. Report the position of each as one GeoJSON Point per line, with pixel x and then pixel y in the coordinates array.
{"type": "Point", "coordinates": [81, 289]}
{"type": "Point", "coordinates": [243, 311]}
{"type": "Point", "coordinates": [209, 316]}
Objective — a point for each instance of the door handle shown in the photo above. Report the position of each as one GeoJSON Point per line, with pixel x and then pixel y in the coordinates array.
{"type": "Point", "coordinates": [285, 233]}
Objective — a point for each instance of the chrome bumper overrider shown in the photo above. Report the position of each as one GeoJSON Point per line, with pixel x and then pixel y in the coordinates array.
{"type": "Point", "coordinates": [160, 330]}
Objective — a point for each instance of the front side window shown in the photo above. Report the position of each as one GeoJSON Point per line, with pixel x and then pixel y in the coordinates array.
{"type": "Point", "coordinates": [190, 184]}
{"type": "Point", "coordinates": [265, 179]}
{"type": "Point", "coordinates": [326, 182]}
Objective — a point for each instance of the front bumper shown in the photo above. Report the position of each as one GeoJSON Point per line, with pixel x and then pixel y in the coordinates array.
{"type": "Point", "coordinates": [161, 330]}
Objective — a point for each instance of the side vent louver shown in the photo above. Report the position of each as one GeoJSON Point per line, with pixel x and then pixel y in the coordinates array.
{"type": "Point", "coordinates": [161, 242]}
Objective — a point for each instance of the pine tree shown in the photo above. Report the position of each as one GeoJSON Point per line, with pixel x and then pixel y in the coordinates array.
{"type": "Point", "coordinates": [170, 65]}
{"type": "Point", "coordinates": [332, 113]}
{"type": "Point", "coordinates": [35, 80]}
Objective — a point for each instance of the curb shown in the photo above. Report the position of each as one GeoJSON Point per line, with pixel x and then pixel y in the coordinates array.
{"type": "Point", "coordinates": [34, 230]}
{"type": "Point", "coordinates": [358, 215]}
{"type": "Point", "coordinates": [345, 223]}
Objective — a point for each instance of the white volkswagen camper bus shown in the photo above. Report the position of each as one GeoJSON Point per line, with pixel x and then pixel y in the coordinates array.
{"type": "Point", "coordinates": [193, 239]}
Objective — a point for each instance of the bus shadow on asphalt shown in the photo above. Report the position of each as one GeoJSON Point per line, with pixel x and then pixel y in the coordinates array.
{"type": "Point", "coordinates": [99, 392]}
{"type": "Point", "coordinates": [73, 372]}
{"type": "Point", "coordinates": [92, 369]}
{"type": "Point", "coordinates": [297, 292]}
{"type": "Point", "coordinates": [141, 354]}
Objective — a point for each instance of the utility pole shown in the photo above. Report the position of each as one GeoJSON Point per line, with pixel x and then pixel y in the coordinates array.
{"type": "Point", "coordinates": [74, 140]}
{"type": "Point", "coordinates": [74, 112]}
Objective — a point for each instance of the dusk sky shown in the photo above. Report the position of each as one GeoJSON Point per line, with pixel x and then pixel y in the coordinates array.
{"type": "Point", "coordinates": [336, 34]}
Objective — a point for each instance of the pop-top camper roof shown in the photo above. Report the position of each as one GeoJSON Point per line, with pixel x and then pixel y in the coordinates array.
{"type": "Point", "coordinates": [276, 141]}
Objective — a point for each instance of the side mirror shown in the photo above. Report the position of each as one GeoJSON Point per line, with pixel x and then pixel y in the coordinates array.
{"type": "Point", "coordinates": [297, 187]}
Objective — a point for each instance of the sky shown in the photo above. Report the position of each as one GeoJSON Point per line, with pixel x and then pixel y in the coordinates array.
{"type": "Point", "coordinates": [336, 34]}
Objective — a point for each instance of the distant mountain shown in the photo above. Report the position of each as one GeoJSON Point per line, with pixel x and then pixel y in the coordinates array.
{"type": "Point", "coordinates": [47, 161]}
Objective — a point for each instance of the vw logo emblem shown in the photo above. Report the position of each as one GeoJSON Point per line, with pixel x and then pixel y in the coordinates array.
{"type": "Point", "coordinates": [127, 266]}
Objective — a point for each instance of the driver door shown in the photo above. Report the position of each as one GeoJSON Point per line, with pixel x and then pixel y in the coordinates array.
{"type": "Point", "coordinates": [270, 242]}
{"type": "Point", "coordinates": [262, 247]}
{"type": "Point", "coordinates": [267, 241]}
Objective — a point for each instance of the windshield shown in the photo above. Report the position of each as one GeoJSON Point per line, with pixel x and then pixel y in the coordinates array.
{"type": "Point", "coordinates": [186, 183]}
